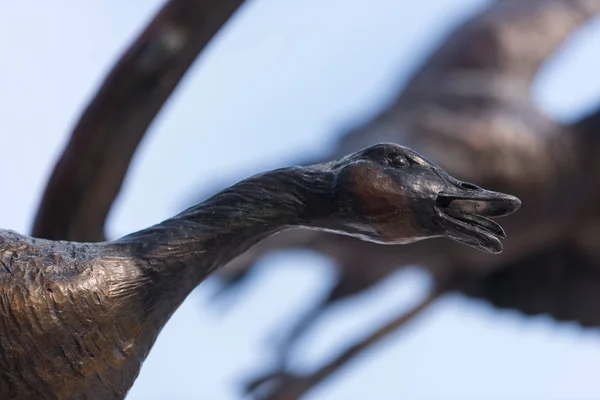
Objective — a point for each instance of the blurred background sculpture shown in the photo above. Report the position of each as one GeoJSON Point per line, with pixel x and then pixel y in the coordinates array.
{"type": "Point", "coordinates": [467, 107]}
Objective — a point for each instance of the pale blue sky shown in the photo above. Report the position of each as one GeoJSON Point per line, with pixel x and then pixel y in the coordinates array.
{"type": "Point", "coordinates": [279, 82]}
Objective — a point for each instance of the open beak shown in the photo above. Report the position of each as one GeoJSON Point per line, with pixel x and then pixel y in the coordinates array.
{"type": "Point", "coordinates": [463, 210]}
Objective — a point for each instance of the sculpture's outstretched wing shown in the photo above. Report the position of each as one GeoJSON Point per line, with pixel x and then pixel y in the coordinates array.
{"type": "Point", "coordinates": [89, 173]}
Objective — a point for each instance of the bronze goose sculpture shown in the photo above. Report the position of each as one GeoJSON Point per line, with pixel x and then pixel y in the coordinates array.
{"type": "Point", "coordinates": [78, 319]}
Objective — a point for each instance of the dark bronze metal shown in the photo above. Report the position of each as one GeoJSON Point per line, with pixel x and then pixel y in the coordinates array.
{"type": "Point", "coordinates": [78, 319]}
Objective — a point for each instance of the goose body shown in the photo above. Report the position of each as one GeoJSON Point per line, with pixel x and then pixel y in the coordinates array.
{"type": "Point", "coordinates": [69, 319]}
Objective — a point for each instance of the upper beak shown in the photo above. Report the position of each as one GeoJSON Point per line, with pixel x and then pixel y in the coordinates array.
{"type": "Point", "coordinates": [469, 198]}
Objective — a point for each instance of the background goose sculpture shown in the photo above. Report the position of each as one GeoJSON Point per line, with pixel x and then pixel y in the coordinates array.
{"type": "Point", "coordinates": [469, 108]}
{"type": "Point", "coordinates": [78, 319]}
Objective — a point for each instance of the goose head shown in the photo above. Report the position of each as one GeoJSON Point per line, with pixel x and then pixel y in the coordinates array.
{"type": "Point", "coordinates": [390, 194]}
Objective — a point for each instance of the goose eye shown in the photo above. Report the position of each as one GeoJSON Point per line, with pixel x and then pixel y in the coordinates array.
{"type": "Point", "coordinates": [399, 161]}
